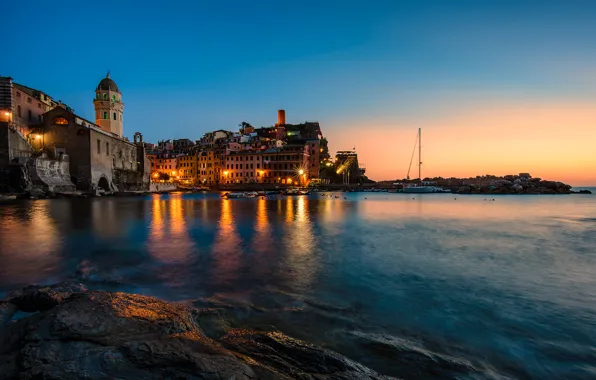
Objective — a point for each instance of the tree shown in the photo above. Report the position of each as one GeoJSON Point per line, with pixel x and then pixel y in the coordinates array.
{"type": "Point", "coordinates": [243, 126]}
{"type": "Point", "coordinates": [164, 176]}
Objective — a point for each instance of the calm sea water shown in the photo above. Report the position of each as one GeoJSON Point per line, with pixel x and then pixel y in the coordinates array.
{"type": "Point", "coordinates": [416, 286]}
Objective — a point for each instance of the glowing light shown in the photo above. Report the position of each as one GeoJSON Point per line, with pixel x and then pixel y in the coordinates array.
{"type": "Point", "coordinates": [289, 181]}
{"type": "Point", "coordinates": [328, 164]}
{"type": "Point", "coordinates": [301, 171]}
{"type": "Point", "coordinates": [174, 173]}
{"type": "Point", "coordinates": [6, 113]}
{"type": "Point", "coordinates": [226, 173]}
{"type": "Point", "coordinates": [156, 175]}
{"type": "Point", "coordinates": [38, 136]}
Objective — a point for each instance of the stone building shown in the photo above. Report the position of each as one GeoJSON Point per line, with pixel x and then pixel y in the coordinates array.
{"type": "Point", "coordinates": [98, 159]}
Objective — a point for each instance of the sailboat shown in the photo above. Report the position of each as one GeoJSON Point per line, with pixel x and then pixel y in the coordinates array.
{"type": "Point", "coordinates": [419, 187]}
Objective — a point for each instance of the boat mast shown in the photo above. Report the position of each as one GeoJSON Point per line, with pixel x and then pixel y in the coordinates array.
{"type": "Point", "coordinates": [420, 155]}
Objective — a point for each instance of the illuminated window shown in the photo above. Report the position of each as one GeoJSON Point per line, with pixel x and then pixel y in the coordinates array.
{"type": "Point", "coordinates": [60, 120]}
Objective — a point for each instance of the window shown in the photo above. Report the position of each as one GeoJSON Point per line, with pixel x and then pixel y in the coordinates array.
{"type": "Point", "coordinates": [113, 98]}
{"type": "Point", "coordinates": [258, 166]}
{"type": "Point", "coordinates": [107, 148]}
{"type": "Point", "coordinates": [240, 166]}
{"type": "Point", "coordinates": [18, 94]}
{"type": "Point", "coordinates": [251, 166]}
{"type": "Point", "coordinates": [98, 146]}
{"type": "Point", "coordinates": [29, 100]}
{"type": "Point", "coordinates": [105, 96]}
{"type": "Point", "coordinates": [114, 115]}
{"type": "Point", "coordinates": [29, 114]}
{"type": "Point", "coordinates": [105, 115]}
{"type": "Point", "coordinates": [39, 117]}
{"type": "Point", "coordinates": [120, 117]}
{"type": "Point", "coordinates": [60, 120]}
{"type": "Point", "coordinates": [19, 111]}
{"type": "Point", "coordinates": [39, 105]}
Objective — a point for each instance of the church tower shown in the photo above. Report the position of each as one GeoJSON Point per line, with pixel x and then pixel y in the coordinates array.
{"type": "Point", "coordinates": [108, 106]}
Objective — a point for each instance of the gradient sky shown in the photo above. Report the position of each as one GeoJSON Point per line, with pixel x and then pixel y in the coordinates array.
{"type": "Point", "coordinates": [498, 86]}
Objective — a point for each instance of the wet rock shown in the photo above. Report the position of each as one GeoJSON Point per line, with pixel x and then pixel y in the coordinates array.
{"type": "Point", "coordinates": [39, 298]}
{"type": "Point", "coordinates": [296, 359]}
{"type": "Point", "coordinates": [101, 335]}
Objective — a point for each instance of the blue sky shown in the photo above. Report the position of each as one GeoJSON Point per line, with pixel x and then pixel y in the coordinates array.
{"type": "Point", "coordinates": [186, 67]}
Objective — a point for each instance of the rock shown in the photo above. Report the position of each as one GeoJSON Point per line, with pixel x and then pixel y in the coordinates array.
{"type": "Point", "coordinates": [40, 298]}
{"type": "Point", "coordinates": [7, 310]}
{"type": "Point", "coordinates": [584, 192]}
{"type": "Point", "coordinates": [103, 335]}
{"type": "Point", "coordinates": [36, 193]}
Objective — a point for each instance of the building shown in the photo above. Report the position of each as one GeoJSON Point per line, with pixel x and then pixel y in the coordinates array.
{"type": "Point", "coordinates": [186, 169]}
{"type": "Point", "coordinates": [347, 166]}
{"type": "Point", "coordinates": [182, 144]}
{"type": "Point", "coordinates": [109, 108]}
{"type": "Point", "coordinates": [164, 166]}
{"type": "Point", "coordinates": [99, 156]}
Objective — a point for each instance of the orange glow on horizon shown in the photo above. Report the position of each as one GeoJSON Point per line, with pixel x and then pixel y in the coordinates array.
{"type": "Point", "coordinates": [550, 141]}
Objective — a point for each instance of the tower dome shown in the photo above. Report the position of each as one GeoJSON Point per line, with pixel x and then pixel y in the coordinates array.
{"type": "Point", "coordinates": [109, 107]}
{"type": "Point", "coordinates": [107, 84]}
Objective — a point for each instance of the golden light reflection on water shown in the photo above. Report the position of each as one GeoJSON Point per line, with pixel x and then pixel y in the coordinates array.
{"type": "Point", "coordinates": [299, 241]}
{"type": "Point", "coordinates": [226, 251]}
{"type": "Point", "coordinates": [30, 244]}
{"type": "Point", "coordinates": [169, 240]}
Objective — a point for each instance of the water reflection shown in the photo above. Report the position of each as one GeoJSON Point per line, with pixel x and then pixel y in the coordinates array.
{"type": "Point", "coordinates": [30, 243]}
{"type": "Point", "coordinates": [226, 251]}
{"type": "Point", "coordinates": [169, 240]}
{"type": "Point", "coordinates": [300, 256]}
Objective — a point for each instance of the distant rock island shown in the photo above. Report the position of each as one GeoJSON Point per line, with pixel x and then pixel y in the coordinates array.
{"type": "Point", "coordinates": [522, 183]}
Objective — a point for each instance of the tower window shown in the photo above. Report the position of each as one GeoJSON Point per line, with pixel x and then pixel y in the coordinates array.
{"type": "Point", "coordinates": [114, 115]}
{"type": "Point", "coordinates": [105, 115]}
{"type": "Point", "coordinates": [105, 96]}
{"type": "Point", "coordinates": [113, 98]}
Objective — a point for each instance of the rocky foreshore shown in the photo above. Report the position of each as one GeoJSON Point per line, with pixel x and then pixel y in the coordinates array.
{"type": "Point", "coordinates": [73, 333]}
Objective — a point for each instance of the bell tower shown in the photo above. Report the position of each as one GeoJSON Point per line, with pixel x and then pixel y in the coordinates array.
{"type": "Point", "coordinates": [109, 107]}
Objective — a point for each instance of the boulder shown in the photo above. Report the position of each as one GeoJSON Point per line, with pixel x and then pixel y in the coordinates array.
{"type": "Point", "coordinates": [103, 335]}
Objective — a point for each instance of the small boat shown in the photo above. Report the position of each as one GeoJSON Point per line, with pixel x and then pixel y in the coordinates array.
{"type": "Point", "coordinates": [303, 191]}
{"type": "Point", "coordinates": [292, 192]}
{"type": "Point", "coordinates": [251, 194]}
{"type": "Point", "coordinates": [234, 195]}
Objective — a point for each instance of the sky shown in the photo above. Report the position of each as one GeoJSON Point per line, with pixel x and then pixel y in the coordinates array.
{"type": "Point", "coordinates": [498, 87]}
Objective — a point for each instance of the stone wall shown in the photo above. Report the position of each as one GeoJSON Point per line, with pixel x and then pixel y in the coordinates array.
{"type": "Point", "coordinates": [51, 175]}
{"type": "Point", "coordinates": [156, 186]}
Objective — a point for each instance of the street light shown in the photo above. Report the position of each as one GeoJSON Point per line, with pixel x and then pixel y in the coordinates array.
{"type": "Point", "coordinates": [301, 171]}
{"type": "Point", "coordinates": [38, 136]}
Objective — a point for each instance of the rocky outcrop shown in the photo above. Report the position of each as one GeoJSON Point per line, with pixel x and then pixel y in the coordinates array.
{"type": "Point", "coordinates": [101, 335]}
{"type": "Point", "coordinates": [516, 185]}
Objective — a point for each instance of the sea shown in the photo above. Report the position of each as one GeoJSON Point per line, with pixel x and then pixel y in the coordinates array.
{"type": "Point", "coordinates": [417, 286]}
